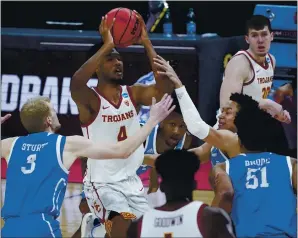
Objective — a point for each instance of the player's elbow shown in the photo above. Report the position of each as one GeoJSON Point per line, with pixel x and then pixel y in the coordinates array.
{"type": "Point", "coordinates": [226, 194]}
{"type": "Point", "coordinates": [122, 152]}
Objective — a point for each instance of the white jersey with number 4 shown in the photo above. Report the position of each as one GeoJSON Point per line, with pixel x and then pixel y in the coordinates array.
{"type": "Point", "coordinates": [112, 124]}
{"type": "Point", "coordinates": [184, 222]}
{"type": "Point", "coordinates": [259, 85]}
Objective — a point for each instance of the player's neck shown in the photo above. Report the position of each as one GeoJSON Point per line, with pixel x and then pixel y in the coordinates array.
{"type": "Point", "coordinates": [110, 91]}
{"type": "Point", "coordinates": [260, 59]}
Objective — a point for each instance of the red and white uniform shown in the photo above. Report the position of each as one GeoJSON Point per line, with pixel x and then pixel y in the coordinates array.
{"type": "Point", "coordinates": [109, 183]}
{"type": "Point", "coordinates": [183, 222]}
{"type": "Point", "coordinates": [260, 84]}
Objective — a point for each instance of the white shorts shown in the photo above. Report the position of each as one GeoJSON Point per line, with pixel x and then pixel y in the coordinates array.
{"type": "Point", "coordinates": [125, 197]}
{"type": "Point", "coordinates": [156, 199]}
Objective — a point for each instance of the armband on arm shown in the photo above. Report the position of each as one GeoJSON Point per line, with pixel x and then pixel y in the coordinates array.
{"type": "Point", "coordinates": [191, 116]}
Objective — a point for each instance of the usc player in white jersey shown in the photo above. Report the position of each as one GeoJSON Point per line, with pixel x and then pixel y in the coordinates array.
{"type": "Point", "coordinates": [108, 112]}
{"type": "Point", "coordinates": [180, 216]}
{"type": "Point", "coordinates": [251, 71]}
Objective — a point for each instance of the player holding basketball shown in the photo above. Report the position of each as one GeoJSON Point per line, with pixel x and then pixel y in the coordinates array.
{"type": "Point", "coordinates": [38, 166]}
{"type": "Point", "coordinates": [108, 112]}
{"type": "Point", "coordinates": [180, 216]}
{"type": "Point", "coordinates": [257, 186]}
{"type": "Point", "coordinates": [251, 71]}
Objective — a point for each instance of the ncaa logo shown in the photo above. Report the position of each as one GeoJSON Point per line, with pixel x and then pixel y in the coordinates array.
{"type": "Point", "coordinates": [124, 95]}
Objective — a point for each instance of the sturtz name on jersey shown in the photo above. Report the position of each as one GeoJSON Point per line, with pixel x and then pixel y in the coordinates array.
{"type": "Point", "coordinates": [265, 80]}
{"type": "Point", "coordinates": [168, 221]}
{"type": "Point", "coordinates": [33, 147]}
{"type": "Point", "coordinates": [118, 118]}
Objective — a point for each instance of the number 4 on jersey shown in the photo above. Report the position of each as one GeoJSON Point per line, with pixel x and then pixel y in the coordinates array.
{"type": "Point", "coordinates": [122, 135]}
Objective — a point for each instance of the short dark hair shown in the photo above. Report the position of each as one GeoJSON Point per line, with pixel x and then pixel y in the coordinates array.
{"type": "Point", "coordinates": [257, 129]}
{"type": "Point", "coordinates": [176, 102]}
{"type": "Point", "coordinates": [258, 22]}
{"type": "Point", "coordinates": [93, 49]}
{"type": "Point", "coordinates": [177, 166]}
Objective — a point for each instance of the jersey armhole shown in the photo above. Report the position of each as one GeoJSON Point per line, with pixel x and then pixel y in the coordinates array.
{"type": "Point", "coordinates": [200, 218]}
{"type": "Point", "coordinates": [11, 149]}
{"type": "Point", "coordinates": [139, 227]}
{"type": "Point", "coordinates": [227, 162]}
{"type": "Point", "coordinates": [289, 162]}
{"type": "Point", "coordinates": [59, 151]}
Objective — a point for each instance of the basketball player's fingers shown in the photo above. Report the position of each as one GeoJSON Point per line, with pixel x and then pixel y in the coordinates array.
{"type": "Point", "coordinates": [171, 109]}
{"type": "Point", "coordinates": [169, 103]}
{"type": "Point", "coordinates": [110, 27]}
{"type": "Point", "coordinates": [153, 101]}
{"type": "Point", "coordinates": [160, 66]}
{"type": "Point", "coordinates": [161, 58]}
{"type": "Point", "coordinates": [162, 100]}
{"type": "Point", "coordinates": [161, 62]}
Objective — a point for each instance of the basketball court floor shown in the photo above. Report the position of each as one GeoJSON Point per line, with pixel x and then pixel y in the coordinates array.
{"type": "Point", "coordinates": [70, 217]}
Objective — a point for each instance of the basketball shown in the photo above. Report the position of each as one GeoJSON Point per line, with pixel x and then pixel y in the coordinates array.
{"type": "Point", "coordinates": [126, 28]}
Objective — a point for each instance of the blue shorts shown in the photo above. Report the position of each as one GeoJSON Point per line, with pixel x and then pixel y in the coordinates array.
{"type": "Point", "coordinates": [37, 225]}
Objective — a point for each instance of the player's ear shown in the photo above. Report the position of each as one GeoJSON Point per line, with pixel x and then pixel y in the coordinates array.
{"type": "Point", "coordinates": [246, 39]}
{"type": "Point", "coordinates": [49, 121]}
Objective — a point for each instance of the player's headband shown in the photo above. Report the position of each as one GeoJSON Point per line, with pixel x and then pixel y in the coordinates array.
{"type": "Point", "coordinates": [114, 52]}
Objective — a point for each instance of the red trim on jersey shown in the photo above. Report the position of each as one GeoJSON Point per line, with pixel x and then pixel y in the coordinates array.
{"type": "Point", "coordinates": [102, 220]}
{"type": "Point", "coordinates": [129, 90]}
{"type": "Point", "coordinates": [139, 227]}
{"type": "Point", "coordinates": [252, 68]}
{"type": "Point", "coordinates": [271, 61]}
{"type": "Point", "coordinates": [98, 109]}
{"type": "Point", "coordinates": [113, 104]}
{"type": "Point", "coordinates": [87, 132]}
{"type": "Point", "coordinates": [266, 66]}
{"type": "Point", "coordinates": [200, 218]}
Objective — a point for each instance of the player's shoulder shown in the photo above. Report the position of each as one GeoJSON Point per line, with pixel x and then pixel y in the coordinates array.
{"type": "Point", "coordinates": [239, 61]}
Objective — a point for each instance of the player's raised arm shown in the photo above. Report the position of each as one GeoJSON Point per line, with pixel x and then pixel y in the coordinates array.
{"type": "Point", "coordinates": [195, 124]}
{"type": "Point", "coordinates": [236, 73]}
{"type": "Point", "coordinates": [222, 186]}
{"type": "Point", "coordinates": [78, 86]}
{"type": "Point", "coordinates": [77, 146]}
{"type": "Point", "coordinates": [144, 93]}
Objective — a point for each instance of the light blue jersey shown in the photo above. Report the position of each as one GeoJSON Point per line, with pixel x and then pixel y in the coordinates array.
{"type": "Point", "coordinates": [150, 147]}
{"type": "Point", "coordinates": [217, 156]}
{"type": "Point", "coordinates": [264, 203]}
{"type": "Point", "coordinates": [35, 186]}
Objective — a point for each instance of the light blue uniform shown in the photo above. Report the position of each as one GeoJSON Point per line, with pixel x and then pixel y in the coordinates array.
{"type": "Point", "coordinates": [217, 156]}
{"type": "Point", "coordinates": [264, 203]}
{"type": "Point", "coordinates": [150, 147]}
{"type": "Point", "coordinates": [35, 186]}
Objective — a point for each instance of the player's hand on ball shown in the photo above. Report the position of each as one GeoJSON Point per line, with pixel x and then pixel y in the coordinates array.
{"type": "Point", "coordinates": [164, 68]}
{"type": "Point", "coordinates": [105, 30]}
{"type": "Point", "coordinates": [144, 35]}
{"type": "Point", "coordinates": [5, 118]}
{"type": "Point", "coordinates": [159, 111]}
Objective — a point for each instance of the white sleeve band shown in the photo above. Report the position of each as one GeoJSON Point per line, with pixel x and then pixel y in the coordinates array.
{"type": "Point", "coordinates": [191, 116]}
